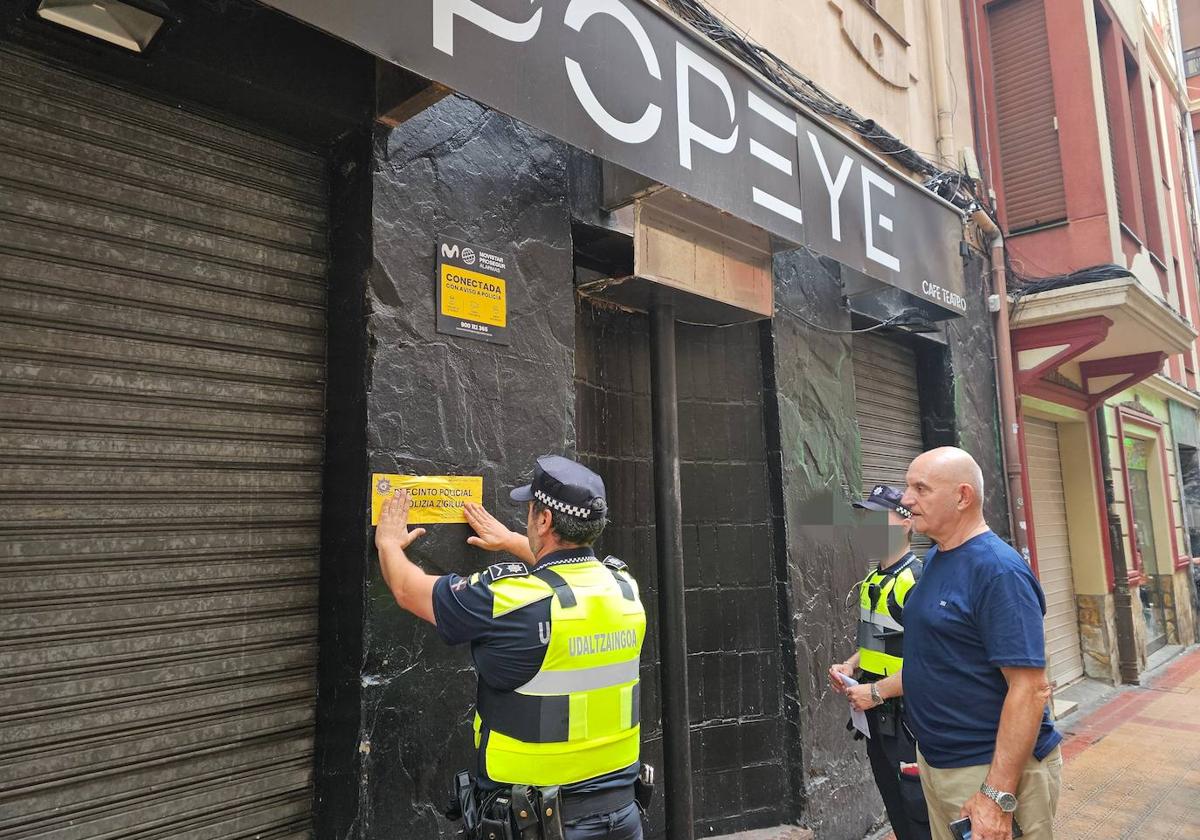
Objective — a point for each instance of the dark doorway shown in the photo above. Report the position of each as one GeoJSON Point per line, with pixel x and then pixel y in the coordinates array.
{"type": "Point", "coordinates": [735, 670]}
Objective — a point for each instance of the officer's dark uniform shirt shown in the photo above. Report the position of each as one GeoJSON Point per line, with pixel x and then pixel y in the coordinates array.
{"type": "Point", "coordinates": [508, 650]}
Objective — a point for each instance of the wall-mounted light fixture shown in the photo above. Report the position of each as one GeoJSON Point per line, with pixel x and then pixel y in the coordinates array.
{"type": "Point", "coordinates": [124, 24]}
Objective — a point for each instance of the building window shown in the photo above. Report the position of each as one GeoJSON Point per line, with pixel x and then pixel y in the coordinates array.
{"type": "Point", "coordinates": [1191, 62]}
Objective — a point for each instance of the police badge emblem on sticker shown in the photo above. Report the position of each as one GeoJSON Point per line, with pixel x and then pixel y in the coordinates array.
{"type": "Point", "coordinates": [434, 498]}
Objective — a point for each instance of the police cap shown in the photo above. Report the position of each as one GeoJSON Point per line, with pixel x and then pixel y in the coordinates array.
{"type": "Point", "coordinates": [885, 498]}
{"type": "Point", "coordinates": [566, 487]}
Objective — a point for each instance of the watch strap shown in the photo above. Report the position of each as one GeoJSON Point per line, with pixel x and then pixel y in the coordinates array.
{"type": "Point", "coordinates": [998, 796]}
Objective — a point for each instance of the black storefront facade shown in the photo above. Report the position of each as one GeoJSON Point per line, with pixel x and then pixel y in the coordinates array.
{"type": "Point", "coordinates": [372, 712]}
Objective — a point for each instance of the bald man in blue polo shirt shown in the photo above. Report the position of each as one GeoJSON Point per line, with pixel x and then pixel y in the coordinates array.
{"type": "Point", "coordinates": [974, 676]}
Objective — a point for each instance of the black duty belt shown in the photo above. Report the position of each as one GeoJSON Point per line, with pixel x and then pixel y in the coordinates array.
{"type": "Point", "coordinates": [577, 805]}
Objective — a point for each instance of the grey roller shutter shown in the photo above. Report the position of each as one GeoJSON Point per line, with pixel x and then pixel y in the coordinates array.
{"type": "Point", "coordinates": [162, 352]}
{"type": "Point", "coordinates": [1048, 507]}
{"type": "Point", "coordinates": [888, 408]}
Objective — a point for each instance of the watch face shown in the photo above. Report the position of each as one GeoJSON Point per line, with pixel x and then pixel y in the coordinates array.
{"type": "Point", "coordinates": [1007, 802]}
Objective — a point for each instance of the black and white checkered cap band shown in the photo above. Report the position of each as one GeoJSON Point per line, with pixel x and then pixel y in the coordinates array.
{"type": "Point", "coordinates": [562, 507]}
{"type": "Point", "coordinates": [896, 506]}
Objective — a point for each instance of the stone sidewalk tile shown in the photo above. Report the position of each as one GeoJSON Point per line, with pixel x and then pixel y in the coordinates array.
{"type": "Point", "coordinates": [1133, 765]}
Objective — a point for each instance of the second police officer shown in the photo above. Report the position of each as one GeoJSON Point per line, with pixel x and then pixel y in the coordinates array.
{"type": "Point", "coordinates": [556, 641]}
{"type": "Point", "coordinates": [891, 748]}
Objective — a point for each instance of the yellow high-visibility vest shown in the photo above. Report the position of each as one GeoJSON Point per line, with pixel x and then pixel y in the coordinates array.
{"type": "Point", "coordinates": [577, 717]}
{"type": "Point", "coordinates": [881, 609]}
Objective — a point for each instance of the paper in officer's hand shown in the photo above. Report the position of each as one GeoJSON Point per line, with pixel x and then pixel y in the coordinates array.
{"type": "Point", "coordinates": [859, 719]}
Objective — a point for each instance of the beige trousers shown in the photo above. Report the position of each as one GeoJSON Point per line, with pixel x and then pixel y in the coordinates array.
{"type": "Point", "coordinates": [946, 791]}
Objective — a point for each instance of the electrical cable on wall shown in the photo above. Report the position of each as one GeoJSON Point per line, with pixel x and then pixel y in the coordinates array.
{"type": "Point", "coordinates": [947, 183]}
{"type": "Point", "coordinates": [951, 184]}
{"type": "Point", "coordinates": [890, 322]}
{"type": "Point", "coordinates": [1024, 285]}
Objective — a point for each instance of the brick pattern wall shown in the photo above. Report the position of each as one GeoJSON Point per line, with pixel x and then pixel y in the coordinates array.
{"type": "Point", "coordinates": [733, 639]}
{"type": "Point", "coordinates": [735, 675]}
{"type": "Point", "coordinates": [612, 408]}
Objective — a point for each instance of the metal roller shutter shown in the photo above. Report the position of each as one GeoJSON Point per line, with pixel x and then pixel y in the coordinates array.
{"type": "Point", "coordinates": [162, 361]}
{"type": "Point", "coordinates": [888, 408]}
{"type": "Point", "coordinates": [1025, 113]}
{"type": "Point", "coordinates": [1064, 658]}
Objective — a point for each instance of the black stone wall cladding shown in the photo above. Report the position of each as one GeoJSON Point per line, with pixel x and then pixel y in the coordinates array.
{"type": "Point", "coordinates": [439, 405]}
{"type": "Point", "coordinates": [813, 438]}
{"type": "Point", "coordinates": [813, 443]}
{"type": "Point", "coordinates": [971, 367]}
{"type": "Point", "coordinates": [344, 539]}
{"type": "Point", "coordinates": [734, 674]}
{"type": "Point", "coordinates": [959, 402]}
{"type": "Point", "coordinates": [766, 600]}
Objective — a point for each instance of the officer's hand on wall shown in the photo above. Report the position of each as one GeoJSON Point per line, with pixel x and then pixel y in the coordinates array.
{"type": "Point", "coordinates": [492, 535]}
{"type": "Point", "coordinates": [392, 531]}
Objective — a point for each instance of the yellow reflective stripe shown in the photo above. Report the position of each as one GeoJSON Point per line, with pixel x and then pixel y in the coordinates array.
{"type": "Point", "coordinates": [904, 583]}
{"type": "Point", "coordinates": [512, 593]}
{"type": "Point", "coordinates": [626, 706]}
{"type": "Point", "coordinates": [876, 618]}
{"type": "Point", "coordinates": [878, 663]}
{"type": "Point", "coordinates": [577, 719]}
{"type": "Point", "coordinates": [864, 593]}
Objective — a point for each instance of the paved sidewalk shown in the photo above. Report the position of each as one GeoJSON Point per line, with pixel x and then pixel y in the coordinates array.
{"type": "Point", "coordinates": [1133, 764]}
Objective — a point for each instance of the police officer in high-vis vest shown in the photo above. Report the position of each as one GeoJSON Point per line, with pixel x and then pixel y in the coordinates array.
{"type": "Point", "coordinates": [891, 747]}
{"type": "Point", "coordinates": [556, 638]}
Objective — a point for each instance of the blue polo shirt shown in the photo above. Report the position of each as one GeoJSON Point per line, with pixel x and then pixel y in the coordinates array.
{"type": "Point", "coordinates": [978, 608]}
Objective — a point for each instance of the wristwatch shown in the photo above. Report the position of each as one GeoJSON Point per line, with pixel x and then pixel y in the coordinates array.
{"type": "Point", "coordinates": [875, 695]}
{"type": "Point", "coordinates": [1006, 801]}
